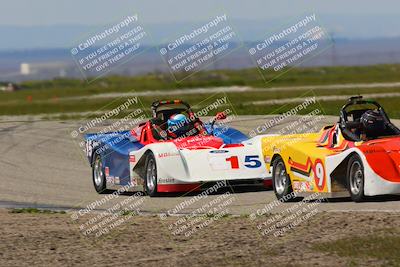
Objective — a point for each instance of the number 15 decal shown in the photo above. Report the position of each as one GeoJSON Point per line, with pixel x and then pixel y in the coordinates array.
{"type": "Point", "coordinates": [250, 161]}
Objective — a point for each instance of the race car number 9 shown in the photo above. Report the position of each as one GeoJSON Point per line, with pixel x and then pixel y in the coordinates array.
{"type": "Point", "coordinates": [250, 161]}
{"type": "Point", "coordinates": [319, 174]}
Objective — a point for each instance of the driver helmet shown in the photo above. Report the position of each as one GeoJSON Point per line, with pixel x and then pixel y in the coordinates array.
{"type": "Point", "coordinates": [373, 122]}
{"type": "Point", "coordinates": [176, 124]}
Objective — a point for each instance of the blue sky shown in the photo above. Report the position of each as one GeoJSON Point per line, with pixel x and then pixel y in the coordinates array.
{"type": "Point", "coordinates": [31, 24]}
{"type": "Point", "coordinates": [95, 12]}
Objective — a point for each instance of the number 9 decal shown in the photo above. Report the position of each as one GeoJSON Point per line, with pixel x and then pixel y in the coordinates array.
{"type": "Point", "coordinates": [319, 174]}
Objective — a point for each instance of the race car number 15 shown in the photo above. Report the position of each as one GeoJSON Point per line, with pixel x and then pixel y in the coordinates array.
{"type": "Point", "coordinates": [250, 162]}
{"type": "Point", "coordinates": [225, 162]}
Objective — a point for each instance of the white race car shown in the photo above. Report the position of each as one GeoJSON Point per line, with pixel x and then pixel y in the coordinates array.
{"type": "Point", "coordinates": [154, 159]}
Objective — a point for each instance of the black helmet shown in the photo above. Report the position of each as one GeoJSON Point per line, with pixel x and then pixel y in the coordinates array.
{"type": "Point", "coordinates": [373, 122]}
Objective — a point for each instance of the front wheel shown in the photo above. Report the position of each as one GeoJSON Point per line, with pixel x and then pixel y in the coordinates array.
{"type": "Point", "coordinates": [151, 175]}
{"type": "Point", "coordinates": [99, 178]}
{"type": "Point", "coordinates": [355, 178]}
{"type": "Point", "coordinates": [281, 181]}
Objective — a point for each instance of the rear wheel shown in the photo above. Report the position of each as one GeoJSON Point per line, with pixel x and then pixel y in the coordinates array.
{"type": "Point", "coordinates": [99, 178]}
{"type": "Point", "coordinates": [281, 181]}
{"type": "Point", "coordinates": [355, 178]}
{"type": "Point", "coordinates": [151, 175]}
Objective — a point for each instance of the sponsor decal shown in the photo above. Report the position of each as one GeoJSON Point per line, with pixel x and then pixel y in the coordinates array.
{"type": "Point", "coordinates": [373, 150]}
{"type": "Point", "coordinates": [167, 154]}
{"type": "Point", "coordinates": [296, 185]}
{"type": "Point", "coordinates": [166, 180]}
{"type": "Point", "coordinates": [301, 186]}
{"type": "Point", "coordinates": [309, 186]}
{"type": "Point", "coordinates": [267, 159]}
{"type": "Point", "coordinates": [107, 171]}
{"type": "Point", "coordinates": [116, 180]}
{"type": "Point", "coordinates": [132, 158]}
{"type": "Point", "coordinates": [276, 150]}
{"type": "Point", "coordinates": [110, 179]}
{"type": "Point", "coordinates": [197, 139]}
{"type": "Point", "coordinates": [134, 180]}
{"type": "Point", "coordinates": [219, 151]}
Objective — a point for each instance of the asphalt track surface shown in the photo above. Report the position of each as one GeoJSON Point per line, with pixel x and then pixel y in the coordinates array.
{"type": "Point", "coordinates": [42, 166]}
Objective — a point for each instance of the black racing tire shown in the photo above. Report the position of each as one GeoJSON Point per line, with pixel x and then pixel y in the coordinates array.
{"type": "Point", "coordinates": [150, 181]}
{"type": "Point", "coordinates": [281, 181]}
{"type": "Point", "coordinates": [98, 175]}
{"type": "Point", "coordinates": [356, 178]}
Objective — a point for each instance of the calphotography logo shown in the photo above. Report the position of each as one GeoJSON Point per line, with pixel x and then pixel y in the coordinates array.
{"type": "Point", "coordinates": [290, 46]}
{"type": "Point", "coordinates": [281, 222]}
{"type": "Point", "coordinates": [102, 51]}
{"type": "Point", "coordinates": [199, 47]}
{"type": "Point", "coordinates": [206, 210]}
{"type": "Point", "coordinates": [110, 128]}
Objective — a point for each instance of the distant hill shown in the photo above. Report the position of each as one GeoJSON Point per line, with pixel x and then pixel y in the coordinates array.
{"type": "Point", "coordinates": [359, 40]}
{"type": "Point", "coordinates": [344, 53]}
{"type": "Point", "coordinates": [66, 36]}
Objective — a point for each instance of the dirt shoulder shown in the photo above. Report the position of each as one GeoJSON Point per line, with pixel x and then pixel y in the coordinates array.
{"type": "Point", "coordinates": [40, 239]}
